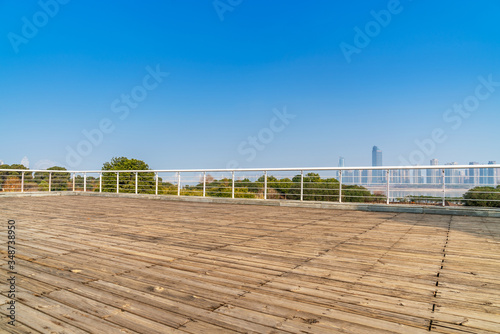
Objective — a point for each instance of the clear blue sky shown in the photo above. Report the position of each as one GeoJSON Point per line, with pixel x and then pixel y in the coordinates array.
{"type": "Point", "coordinates": [232, 68]}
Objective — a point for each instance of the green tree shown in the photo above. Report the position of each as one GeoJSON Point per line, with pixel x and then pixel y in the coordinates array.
{"type": "Point", "coordinates": [166, 188]}
{"type": "Point", "coordinates": [59, 180]}
{"type": "Point", "coordinates": [355, 193]}
{"type": "Point", "coordinates": [14, 175]}
{"type": "Point", "coordinates": [318, 189]}
{"type": "Point", "coordinates": [279, 188]}
{"type": "Point", "coordinates": [245, 186]}
{"type": "Point", "coordinates": [43, 186]}
{"type": "Point", "coordinates": [315, 188]}
{"type": "Point", "coordinates": [146, 181]}
{"type": "Point", "coordinates": [223, 188]}
{"type": "Point", "coordinates": [483, 196]}
{"type": "Point", "coordinates": [92, 183]}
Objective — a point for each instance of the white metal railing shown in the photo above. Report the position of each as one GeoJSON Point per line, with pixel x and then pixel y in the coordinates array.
{"type": "Point", "coordinates": [390, 185]}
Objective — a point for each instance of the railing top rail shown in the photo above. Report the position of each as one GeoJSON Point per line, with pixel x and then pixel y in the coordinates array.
{"type": "Point", "coordinates": [259, 169]}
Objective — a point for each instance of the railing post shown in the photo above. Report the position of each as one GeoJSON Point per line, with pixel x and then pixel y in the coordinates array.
{"type": "Point", "coordinates": [117, 182]}
{"type": "Point", "coordinates": [22, 182]}
{"type": "Point", "coordinates": [388, 181]}
{"type": "Point", "coordinates": [74, 181]}
{"type": "Point", "coordinates": [136, 181]}
{"type": "Point", "coordinates": [178, 183]}
{"type": "Point", "coordinates": [204, 184]}
{"type": "Point", "coordinates": [340, 186]}
{"type": "Point", "coordinates": [265, 184]}
{"type": "Point", "coordinates": [444, 187]}
{"type": "Point", "coordinates": [301, 185]}
{"type": "Point", "coordinates": [100, 182]}
{"type": "Point", "coordinates": [156, 185]}
{"type": "Point", "coordinates": [50, 181]}
{"type": "Point", "coordinates": [232, 186]}
{"type": "Point", "coordinates": [84, 181]}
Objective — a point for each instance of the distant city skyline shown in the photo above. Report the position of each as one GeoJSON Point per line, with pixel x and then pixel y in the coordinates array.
{"type": "Point", "coordinates": [465, 176]}
{"type": "Point", "coordinates": [377, 160]}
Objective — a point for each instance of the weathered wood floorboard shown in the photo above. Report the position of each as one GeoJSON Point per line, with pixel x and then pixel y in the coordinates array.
{"type": "Point", "coordinates": [118, 265]}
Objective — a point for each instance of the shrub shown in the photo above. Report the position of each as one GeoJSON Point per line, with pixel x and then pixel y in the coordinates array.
{"type": "Point", "coordinates": [483, 196]}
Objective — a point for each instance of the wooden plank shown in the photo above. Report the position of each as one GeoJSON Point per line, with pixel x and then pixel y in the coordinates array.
{"type": "Point", "coordinates": [191, 311]}
{"type": "Point", "coordinates": [446, 327]}
{"type": "Point", "coordinates": [20, 328]}
{"type": "Point", "coordinates": [39, 322]}
{"type": "Point", "coordinates": [156, 320]}
{"type": "Point", "coordinates": [28, 282]}
{"type": "Point", "coordinates": [65, 313]}
{"type": "Point", "coordinates": [196, 327]}
{"type": "Point", "coordinates": [171, 292]}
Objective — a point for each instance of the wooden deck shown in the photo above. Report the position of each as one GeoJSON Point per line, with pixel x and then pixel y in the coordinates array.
{"type": "Point", "coordinates": [118, 265]}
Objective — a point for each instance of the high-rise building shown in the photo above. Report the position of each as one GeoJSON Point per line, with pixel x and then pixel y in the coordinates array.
{"type": "Point", "coordinates": [474, 174]}
{"type": "Point", "coordinates": [367, 176]}
{"type": "Point", "coordinates": [451, 175]}
{"type": "Point", "coordinates": [395, 176]}
{"type": "Point", "coordinates": [462, 176]}
{"type": "Point", "coordinates": [376, 156]}
{"type": "Point", "coordinates": [356, 176]}
{"type": "Point", "coordinates": [433, 174]}
{"type": "Point", "coordinates": [377, 161]}
{"type": "Point", "coordinates": [492, 174]}
{"type": "Point", "coordinates": [341, 164]}
{"type": "Point", "coordinates": [418, 176]}
{"type": "Point", "coordinates": [405, 176]}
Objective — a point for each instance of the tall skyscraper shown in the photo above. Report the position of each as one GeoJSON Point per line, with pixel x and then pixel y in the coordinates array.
{"type": "Point", "coordinates": [433, 174]}
{"type": "Point", "coordinates": [451, 175]}
{"type": "Point", "coordinates": [376, 156]}
{"type": "Point", "coordinates": [492, 174]}
{"type": "Point", "coordinates": [419, 176]}
{"type": "Point", "coordinates": [341, 164]}
{"type": "Point", "coordinates": [405, 176]}
{"type": "Point", "coordinates": [396, 176]}
{"type": "Point", "coordinates": [367, 176]}
{"type": "Point", "coordinates": [377, 161]}
{"type": "Point", "coordinates": [474, 174]}
{"type": "Point", "coordinates": [356, 177]}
